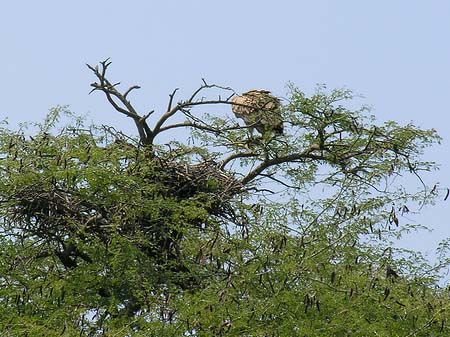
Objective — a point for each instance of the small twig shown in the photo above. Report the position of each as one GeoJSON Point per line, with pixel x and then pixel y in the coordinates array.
{"type": "Point", "coordinates": [143, 118]}
{"type": "Point", "coordinates": [196, 92]}
{"type": "Point", "coordinates": [171, 96]}
{"type": "Point", "coordinates": [105, 65]}
{"type": "Point", "coordinates": [130, 89]}
{"type": "Point", "coordinates": [271, 176]}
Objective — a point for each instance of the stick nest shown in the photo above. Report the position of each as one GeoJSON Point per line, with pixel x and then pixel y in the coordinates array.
{"type": "Point", "coordinates": [63, 216]}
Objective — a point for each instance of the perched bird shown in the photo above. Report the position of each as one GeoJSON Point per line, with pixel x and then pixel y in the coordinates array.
{"type": "Point", "coordinates": [260, 110]}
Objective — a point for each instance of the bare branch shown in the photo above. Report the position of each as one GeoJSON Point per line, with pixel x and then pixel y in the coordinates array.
{"type": "Point", "coordinates": [171, 96]}
{"type": "Point", "coordinates": [110, 90]}
{"type": "Point", "coordinates": [186, 104]}
{"type": "Point", "coordinates": [112, 93]}
{"type": "Point", "coordinates": [130, 89]}
{"type": "Point", "coordinates": [125, 107]}
{"type": "Point", "coordinates": [179, 107]}
{"type": "Point", "coordinates": [191, 99]}
{"type": "Point", "coordinates": [143, 118]}
{"type": "Point", "coordinates": [205, 85]}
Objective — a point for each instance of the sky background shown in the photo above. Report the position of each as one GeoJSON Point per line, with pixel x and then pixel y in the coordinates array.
{"type": "Point", "coordinates": [395, 53]}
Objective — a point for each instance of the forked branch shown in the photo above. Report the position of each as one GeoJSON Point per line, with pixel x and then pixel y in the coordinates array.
{"type": "Point", "coordinates": [121, 103]}
{"type": "Point", "coordinates": [191, 102]}
{"type": "Point", "coordinates": [125, 107]}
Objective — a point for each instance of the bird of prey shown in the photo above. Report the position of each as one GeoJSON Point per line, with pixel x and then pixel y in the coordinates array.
{"type": "Point", "coordinates": [260, 110]}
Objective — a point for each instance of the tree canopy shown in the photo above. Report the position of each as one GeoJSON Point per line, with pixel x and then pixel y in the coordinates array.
{"type": "Point", "coordinates": [219, 231]}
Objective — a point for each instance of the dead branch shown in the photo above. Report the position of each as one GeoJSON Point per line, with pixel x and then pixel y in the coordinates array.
{"type": "Point", "coordinates": [121, 103]}
{"type": "Point", "coordinates": [112, 93]}
{"type": "Point", "coordinates": [184, 105]}
{"type": "Point", "coordinates": [129, 90]}
{"type": "Point", "coordinates": [171, 96]}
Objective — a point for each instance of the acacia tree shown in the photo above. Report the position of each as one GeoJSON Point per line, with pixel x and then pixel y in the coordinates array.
{"type": "Point", "coordinates": [221, 233]}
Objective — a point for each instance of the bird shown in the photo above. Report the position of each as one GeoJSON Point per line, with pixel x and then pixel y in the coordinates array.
{"type": "Point", "coordinates": [260, 110]}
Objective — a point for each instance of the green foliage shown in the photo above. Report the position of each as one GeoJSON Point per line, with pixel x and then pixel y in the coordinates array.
{"type": "Point", "coordinates": [103, 236]}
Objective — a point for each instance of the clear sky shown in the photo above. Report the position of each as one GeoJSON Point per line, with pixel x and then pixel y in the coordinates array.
{"type": "Point", "coordinates": [395, 53]}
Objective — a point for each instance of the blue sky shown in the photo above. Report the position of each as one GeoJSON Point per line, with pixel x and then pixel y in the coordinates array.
{"type": "Point", "coordinates": [395, 53]}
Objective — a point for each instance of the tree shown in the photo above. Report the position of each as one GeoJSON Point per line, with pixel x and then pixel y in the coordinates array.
{"type": "Point", "coordinates": [224, 233]}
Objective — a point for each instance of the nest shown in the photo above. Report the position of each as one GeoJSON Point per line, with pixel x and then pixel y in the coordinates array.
{"type": "Point", "coordinates": [63, 217]}
{"type": "Point", "coordinates": [189, 180]}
